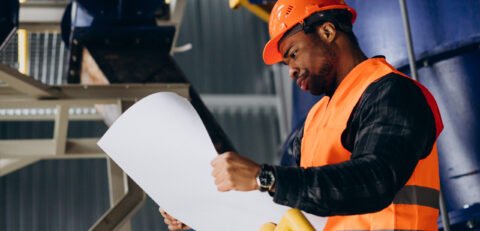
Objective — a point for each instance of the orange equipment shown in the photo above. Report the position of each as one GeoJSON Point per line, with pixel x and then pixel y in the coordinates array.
{"type": "Point", "coordinates": [288, 13]}
{"type": "Point", "coordinates": [293, 220]}
{"type": "Point", "coordinates": [415, 206]}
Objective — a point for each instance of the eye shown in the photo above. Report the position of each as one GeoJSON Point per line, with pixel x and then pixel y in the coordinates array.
{"type": "Point", "coordinates": [293, 55]}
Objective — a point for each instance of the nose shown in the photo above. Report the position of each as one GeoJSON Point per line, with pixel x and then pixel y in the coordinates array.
{"type": "Point", "coordinates": [293, 72]}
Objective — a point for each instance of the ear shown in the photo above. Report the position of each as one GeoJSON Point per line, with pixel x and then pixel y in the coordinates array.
{"type": "Point", "coordinates": [327, 32]}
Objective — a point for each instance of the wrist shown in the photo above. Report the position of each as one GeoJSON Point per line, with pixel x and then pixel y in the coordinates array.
{"type": "Point", "coordinates": [266, 178]}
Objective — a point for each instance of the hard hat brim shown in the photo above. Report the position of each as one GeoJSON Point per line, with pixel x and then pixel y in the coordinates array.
{"type": "Point", "coordinates": [271, 54]}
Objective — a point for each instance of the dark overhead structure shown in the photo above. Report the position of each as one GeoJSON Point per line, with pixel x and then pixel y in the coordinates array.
{"type": "Point", "coordinates": [8, 20]}
{"type": "Point", "coordinates": [130, 42]}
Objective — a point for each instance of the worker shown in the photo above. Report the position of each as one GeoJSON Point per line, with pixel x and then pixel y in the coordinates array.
{"type": "Point", "coordinates": [367, 156]}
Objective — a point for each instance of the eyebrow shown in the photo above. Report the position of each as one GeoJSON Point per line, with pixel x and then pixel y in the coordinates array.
{"type": "Point", "coordinates": [285, 55]}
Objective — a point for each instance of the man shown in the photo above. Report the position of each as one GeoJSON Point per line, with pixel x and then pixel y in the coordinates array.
{"type": "Point", "coordinates": [367, 154]}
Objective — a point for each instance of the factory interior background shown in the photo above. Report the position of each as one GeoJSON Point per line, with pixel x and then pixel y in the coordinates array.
{"type": "Point", "coordinates": [53, 178]}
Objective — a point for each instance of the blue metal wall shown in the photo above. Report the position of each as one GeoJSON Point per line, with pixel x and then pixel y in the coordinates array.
{"type": "Point", "coordinates": [455, 84]}
{"type": "Point", "coordinates": [437, 25]}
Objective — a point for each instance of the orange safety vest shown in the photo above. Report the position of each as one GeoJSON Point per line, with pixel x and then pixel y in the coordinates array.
{"type": "Point", "coordinates": [415, 206]}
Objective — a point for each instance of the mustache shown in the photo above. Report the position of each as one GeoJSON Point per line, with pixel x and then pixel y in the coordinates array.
{"type": "Point", "coordinates": [303, 74]}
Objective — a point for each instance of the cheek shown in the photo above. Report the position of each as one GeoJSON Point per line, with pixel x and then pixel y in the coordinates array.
{"type": "Point", "coordinates": [311, 63]}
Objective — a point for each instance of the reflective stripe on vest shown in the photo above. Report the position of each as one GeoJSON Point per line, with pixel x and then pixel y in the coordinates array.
{"type": "Point", "coordinates": [415, 206]}
{"type": "Point", "coordinates": [418, 195]}
{"type": "Point", "coordinates": [383, 230]}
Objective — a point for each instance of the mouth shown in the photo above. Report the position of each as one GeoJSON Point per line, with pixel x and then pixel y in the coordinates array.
{"type": "Point", "coordinates": [302, 82]}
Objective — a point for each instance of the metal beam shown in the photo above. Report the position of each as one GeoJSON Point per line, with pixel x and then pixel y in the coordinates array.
{"type": "Point", "coordinates": [239, 101]}
{"type": "Point", "coordinates": [177, 16]}
{"type": "Point", "coordinates": [117, 182]}
{"type": "Point", "coordinates": [26, 148]}
{"type": "Point", "coordinates": [36, 89]}
{"type": "Point", "coordinates": [41, 16]}
{"type": "Point", "coordinates": [46, 149]}
{"type": "Point", "coordinates": [122, 91]}
{"type": "Point", "coordinates": [23, 52]}
{"type": "Point", "coordinates": [118, 217]}
{"type": "Point", "coordinates": [60, 130]}
{"type": "Point", "coordinates": [22, 116]}
{"type": "Point", "coordinates": [413, 72]}
{"type": "Point", "coordinates": [36, 103]}
{"type": "Point", "coordinates": [123, 210]}
{"type": "Point", "coordinates": [408, 38]}
{"type": "Point", "coordinates": [27, 86]}
{"type": "Point", "coordinates": [24, 84]}
{"type": "Point", "coordinates": [10, 165]}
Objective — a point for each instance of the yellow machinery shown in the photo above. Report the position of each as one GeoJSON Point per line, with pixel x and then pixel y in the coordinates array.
{"type": "Point", "coordinates": [293, 220]}
{"type": "Point", "coordinates": [261, 11]}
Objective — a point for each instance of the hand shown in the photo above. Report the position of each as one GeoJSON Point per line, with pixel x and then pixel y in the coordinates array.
{"type": "Point", "coordinates": [173, 224]}
{"type": "Point", "coordinates": [235, 172]}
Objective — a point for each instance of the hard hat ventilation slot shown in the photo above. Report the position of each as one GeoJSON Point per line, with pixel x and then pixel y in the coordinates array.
{"type": "Point", "coordinates": [288, 10]}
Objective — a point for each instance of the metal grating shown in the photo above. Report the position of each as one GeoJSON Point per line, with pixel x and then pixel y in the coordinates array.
{"type": "Point", "coordinates": [9, 54]}
{"type": "Point", "coordinates": [47, 57]}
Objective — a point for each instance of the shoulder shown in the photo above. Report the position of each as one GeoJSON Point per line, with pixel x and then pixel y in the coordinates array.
{"type": "Point", "coordinates": [394, 95]}
{"type": "Point", "coordinates": [395, 86]}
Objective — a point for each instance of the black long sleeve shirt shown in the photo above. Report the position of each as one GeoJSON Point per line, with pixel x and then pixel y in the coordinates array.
{"type": "Point", "coordinates": [390, 129]}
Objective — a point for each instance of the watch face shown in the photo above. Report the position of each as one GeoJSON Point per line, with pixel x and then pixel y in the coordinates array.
{"type": "Point", "coordinates": [266, 178]}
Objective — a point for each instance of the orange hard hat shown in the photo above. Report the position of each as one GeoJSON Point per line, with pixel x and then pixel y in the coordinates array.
{"type": "Point", "coordinates": [288, 13]}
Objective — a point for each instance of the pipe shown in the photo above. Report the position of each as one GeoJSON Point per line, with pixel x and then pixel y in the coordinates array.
{"type": "Point", "coordinates": [444, 213]}
{"type": "Point", "coordinates": [413, 70]}
{"type": "Point", "coordinates": [23, 52]}
{"type": "Point", "coordinates": [408, 38]}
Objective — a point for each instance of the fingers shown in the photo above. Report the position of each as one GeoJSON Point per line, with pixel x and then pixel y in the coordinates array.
{"type": "Point", "coordinates": [175, 226]}
{"type": "Point", "coordinates": [222, 158]}
{"type": "Point", "coordinates": [166, 215]}
{"type": "Point", "coordinates": [162, 212]}
{"type": "Point", "coordinates": [232, 171]}
{"type": "Point", "coordinates": [171, 222]}
{"type": "Point", "coordinates": [225, 186]}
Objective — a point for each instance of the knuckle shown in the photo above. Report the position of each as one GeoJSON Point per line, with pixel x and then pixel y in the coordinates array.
{"type": "Point", "coordinates": [229, 155]}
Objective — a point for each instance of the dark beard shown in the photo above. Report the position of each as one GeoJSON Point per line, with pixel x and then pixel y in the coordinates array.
{"type": "Point", "coordinates": [324, 81]}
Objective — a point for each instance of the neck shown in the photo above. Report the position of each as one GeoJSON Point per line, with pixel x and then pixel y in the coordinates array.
{"type": "Point", "coordinates": [347, 60]}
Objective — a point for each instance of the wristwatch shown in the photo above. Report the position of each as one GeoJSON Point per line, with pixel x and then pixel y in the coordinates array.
{"type": "Point", "coordinates": [266, 178]}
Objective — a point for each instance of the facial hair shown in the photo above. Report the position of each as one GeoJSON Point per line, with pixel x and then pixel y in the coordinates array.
{"type": "Point", "coordinates": [323, 82]}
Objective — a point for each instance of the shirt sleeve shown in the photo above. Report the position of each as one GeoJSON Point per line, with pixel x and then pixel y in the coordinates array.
{"type": "Point", "coordinates": [390, 130]}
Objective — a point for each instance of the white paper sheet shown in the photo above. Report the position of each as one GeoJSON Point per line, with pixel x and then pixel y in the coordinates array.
{"type": "Point", "coordinates": [161, 143]}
